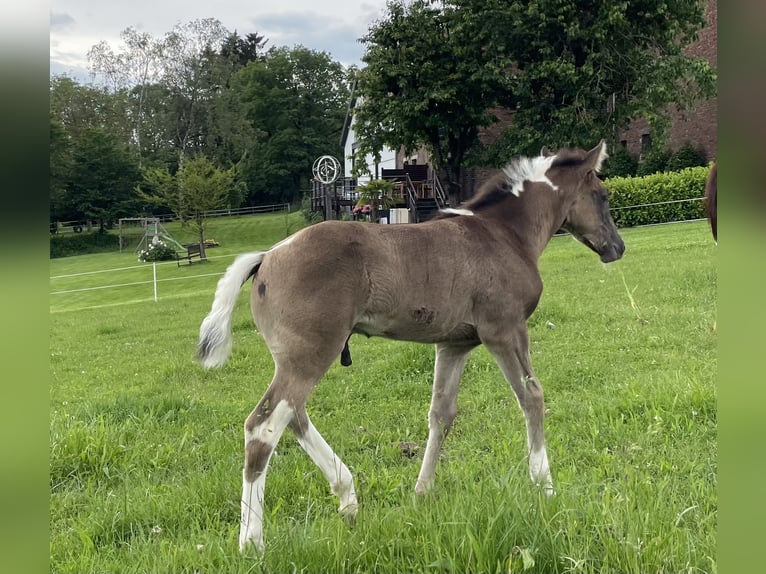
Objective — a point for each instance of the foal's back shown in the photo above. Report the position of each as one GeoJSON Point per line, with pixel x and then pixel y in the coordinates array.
{"type": "Point", "coordinates": [428, 282]}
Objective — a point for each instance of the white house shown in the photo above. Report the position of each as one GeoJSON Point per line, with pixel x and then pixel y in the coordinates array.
{"type": "Point", "coordinates": [417, 195]}
{"type": "Point", "coordinates": [348, 141]}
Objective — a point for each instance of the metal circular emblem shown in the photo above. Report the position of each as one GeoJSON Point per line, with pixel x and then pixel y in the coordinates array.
{"type": "Point", "coordinates": [326, 169]}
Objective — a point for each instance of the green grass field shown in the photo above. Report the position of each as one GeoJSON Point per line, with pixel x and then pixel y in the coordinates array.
{"type": "Point", "coordinates": [146, 448]}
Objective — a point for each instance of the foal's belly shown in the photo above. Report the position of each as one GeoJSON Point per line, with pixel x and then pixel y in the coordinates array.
{"type": "Point", "coordinates": [419, 326]}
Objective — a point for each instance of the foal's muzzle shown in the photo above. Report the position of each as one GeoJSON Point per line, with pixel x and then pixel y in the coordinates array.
{"type": "Point", "coordinates": [611, 251]}
{"type": "Point", "coordinates": [608, 250]}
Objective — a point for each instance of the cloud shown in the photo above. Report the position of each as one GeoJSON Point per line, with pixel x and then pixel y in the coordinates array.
{"type": "Point", "coordinates": [338, 38]}
{"type": "Point", "coordinates": [371, 13]}
{"type": "Point", "coordinates": [81, 75]}
{"type": "Point", "coordinates": [61, 21]}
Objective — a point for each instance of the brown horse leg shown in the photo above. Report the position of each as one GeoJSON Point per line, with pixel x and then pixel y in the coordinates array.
{"type": "Point", "coordinates": [282, 405]}
{"type": "Point", "coordinates": [512, 355]}
{"type": "Point", "coordinates": [336, 473]}
{"type": "Point", "coordinates": [450, 362]}
{"type": "Point", "coordinates": [263, 429]}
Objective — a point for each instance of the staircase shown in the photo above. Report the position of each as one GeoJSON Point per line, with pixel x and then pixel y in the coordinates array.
{"type": "Point", "coordinates": [426, 209]}
{"type": "Point", "coordinates": [421, 208]}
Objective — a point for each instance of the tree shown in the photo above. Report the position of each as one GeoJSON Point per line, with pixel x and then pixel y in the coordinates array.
{"type": "Point", "coordinates": [60, 161]}
{"type": "Point", "coordinates": [179, 75]}
{"type": "Point", "coordinates": [76, 108]}
{"type": "Point", "coordinates": [229, 133]}
{"type": "Point", "coordinates": [621, 163]}
{"type": "Point", "coordinates": [197, 188]}
{"type": "Point", "coordinates": [584, 72]}
{"type": "Point", "coordinates": [92, 172]}
{"type": "Point", "coordinates": [238, 51]}
{"type": "Point", "coordinates": [103, 178]}
{"type": "Point", "coordinates": [132, 70]}
{"type": "Point", "coordinates": [189, 52]}
{"type": "Point", "coordinates": [571, 72]}
{"type": "Point", "coordinates": [295, 103]}
{"type": "Point", "coordinates": [424, 84]}
{"type": "Point", "coordinates": [688, 155]}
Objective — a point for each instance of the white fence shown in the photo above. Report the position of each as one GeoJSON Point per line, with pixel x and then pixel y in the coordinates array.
{"type": "Point", "coordinates": [153, 276]}
{"type": "Point", "coordinates": [80, 226]}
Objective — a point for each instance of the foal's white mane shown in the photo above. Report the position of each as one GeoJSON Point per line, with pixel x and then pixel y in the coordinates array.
{"type": "Point", "coordinates": [528, 169]}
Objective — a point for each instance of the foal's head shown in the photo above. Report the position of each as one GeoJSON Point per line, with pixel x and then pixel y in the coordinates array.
{"type": "Point", "coordinates": [587, 218]}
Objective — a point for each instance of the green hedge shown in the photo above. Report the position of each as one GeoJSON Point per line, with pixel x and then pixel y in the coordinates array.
{"type": "Point", "coordinates": [81, 243]}
{"type": "Point", "coordinates": [625, 192]}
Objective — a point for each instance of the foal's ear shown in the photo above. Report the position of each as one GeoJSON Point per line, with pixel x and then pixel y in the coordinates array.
{"type": "Point", "coordinates": [594, 159]}
{"type": "Point", "coordinates": [545, 152]}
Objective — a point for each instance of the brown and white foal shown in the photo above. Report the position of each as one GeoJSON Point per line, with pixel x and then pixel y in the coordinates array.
{"type": "Point", "coordinates": [467, 277]}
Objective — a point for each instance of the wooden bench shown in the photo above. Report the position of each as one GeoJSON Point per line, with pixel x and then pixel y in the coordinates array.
{"type": "Point", "coordinates": [192, 250]}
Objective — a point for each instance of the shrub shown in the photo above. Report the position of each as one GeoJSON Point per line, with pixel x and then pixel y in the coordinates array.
{"type": "Point", "coordinates": [82, 243]}
{"type": "Point", "coordinates": [374, 196]}
{"type": "Point", "coordinates": [686, 156]}
{"type": "Point", "coordinates": [654, 161]}
{"type": "Point", "coordinates": [157, 251]}
{"type": "Point", "coordinates": [687, 184]}
{"type": "Point", "coordinates": [309, 216]}
{"type": "Point", "coordinates": [621, 163]}
{"type": "Point", "coordinates": [363, 212]}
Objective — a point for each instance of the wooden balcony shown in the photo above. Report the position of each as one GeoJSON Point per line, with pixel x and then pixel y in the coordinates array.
{"type": "Point", "coordinates": [423, 197]}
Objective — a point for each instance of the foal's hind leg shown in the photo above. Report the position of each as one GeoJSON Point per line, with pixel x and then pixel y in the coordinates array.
{"type": "Point", "coordinates": [263, 428]}
{"type": "Point", "coordinates": [450, 362]}
{"type": "Point", "coordinates": [336, 473]}
{"type": "Point", "coordinates": [512, 354]}
{"type": "Point", "coordinates": [297, 369]}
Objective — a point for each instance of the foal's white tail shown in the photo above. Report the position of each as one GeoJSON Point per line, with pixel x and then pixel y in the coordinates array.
{"type": "Point", "coordinates": [215, 332]}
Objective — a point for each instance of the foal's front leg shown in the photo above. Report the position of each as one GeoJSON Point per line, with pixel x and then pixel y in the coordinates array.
{"type": "Point", "coordinates": [449, 365]}
{"type": "Point", "coordinates": [512, 354]}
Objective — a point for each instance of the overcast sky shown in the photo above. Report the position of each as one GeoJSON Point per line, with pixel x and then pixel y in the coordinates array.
{"type": "Point", "coordinates": [332, 26]}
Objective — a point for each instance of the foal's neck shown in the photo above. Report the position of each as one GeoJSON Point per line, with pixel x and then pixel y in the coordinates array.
{"type": "Point", "coordinates": [534, 216]}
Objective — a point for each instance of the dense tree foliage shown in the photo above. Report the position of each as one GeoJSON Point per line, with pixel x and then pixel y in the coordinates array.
{"type": "Point", "coordinates": [571, 72]}
{"type": "Point", "coordinates": [103, 178]}
{"type": "Point", "coordinates": [426, 83]}
{"type": "Point", "coordinates": [294, 102]}
{"type": "Point", "coordinates": [60, 160]}
{"type": "Point", "coordinates": [92, 170]}
{"type": "Point", "coordinates": [197, 94]}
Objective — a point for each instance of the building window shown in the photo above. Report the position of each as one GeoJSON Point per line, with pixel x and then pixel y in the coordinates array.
{"type": "Point", "coordinates": [624, 143]}
{"type": "Point", "coordinates": [646, 142]}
